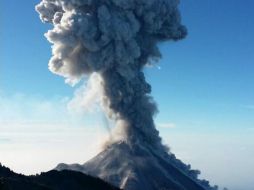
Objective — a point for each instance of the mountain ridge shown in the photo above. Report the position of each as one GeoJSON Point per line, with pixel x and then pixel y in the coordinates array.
{"type": "Point", "coordinates": [51, 180]}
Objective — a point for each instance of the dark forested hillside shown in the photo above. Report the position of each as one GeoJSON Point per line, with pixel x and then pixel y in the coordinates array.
{"type": "Point", "coordinates": [52, 180]}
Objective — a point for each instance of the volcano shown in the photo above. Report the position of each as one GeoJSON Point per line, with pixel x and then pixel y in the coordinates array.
{"type": "Point", "coordinates": [117, 39]}
{"type": "Point", "coordinates": [135, 167]}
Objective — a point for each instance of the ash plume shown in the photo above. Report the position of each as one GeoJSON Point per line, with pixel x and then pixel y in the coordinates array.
{"type": "Point", "coordinates": [115, 38]}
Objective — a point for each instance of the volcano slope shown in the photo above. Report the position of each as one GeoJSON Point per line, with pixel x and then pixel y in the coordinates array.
{"type": "Point", "coordinates": [136, 167]}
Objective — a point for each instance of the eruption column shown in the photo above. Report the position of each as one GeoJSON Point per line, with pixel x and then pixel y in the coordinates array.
{"type": "Point", "coordinates": [115, 38]}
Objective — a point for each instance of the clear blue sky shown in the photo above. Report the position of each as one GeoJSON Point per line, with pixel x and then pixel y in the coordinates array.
{"type": "Point", "coordinates": [204, 88]}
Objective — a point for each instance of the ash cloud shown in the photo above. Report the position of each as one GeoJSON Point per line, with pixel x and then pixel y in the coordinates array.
{"type": "Point", "coordinates": [116, 39]}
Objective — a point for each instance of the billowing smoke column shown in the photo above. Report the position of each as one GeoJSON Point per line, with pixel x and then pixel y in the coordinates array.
{"type": "Point", "coordinates": [115, 38]}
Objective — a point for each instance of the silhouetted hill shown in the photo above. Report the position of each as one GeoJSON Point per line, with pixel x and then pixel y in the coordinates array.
{"type": "Point", "coordinates": [52, 180]}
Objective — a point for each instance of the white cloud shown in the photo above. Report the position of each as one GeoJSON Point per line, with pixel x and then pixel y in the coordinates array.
{"type": "Point", "coordinates": [166, 125]}
{"type": "Point", "coordinates": [250, 107]}
{"type": "Point", "coordinates": [250, 129]}
{"type": "Point", "coordinates": [87, 97]}
{"type": "Point", "coordinates": [22, 108]}
{"type": "Point", "coordinates": [38, 133]}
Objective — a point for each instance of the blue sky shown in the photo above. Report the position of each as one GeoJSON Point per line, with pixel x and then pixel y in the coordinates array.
{"type": "Point", "coordinates": [203, 86]}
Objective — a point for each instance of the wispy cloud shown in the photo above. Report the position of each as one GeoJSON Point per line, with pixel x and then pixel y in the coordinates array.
{"type": "Point", "coordinates": [166, 125]}
{"type": "Point", "coordinates": [250, 107]}
{"type": "Point", "coordinates": [4, 140]}
{"type": "Point", "coordinates": [250, 129]}
{"type": "Point", "coordinates": [87, 97]}
{"type": "Point", "coordinates": [43, 132]}
{"type": "Point", "coordinates": [31, 114]}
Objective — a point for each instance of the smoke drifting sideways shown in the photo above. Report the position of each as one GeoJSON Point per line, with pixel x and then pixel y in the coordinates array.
{"type": "Point", "coordinates": [116, 39]}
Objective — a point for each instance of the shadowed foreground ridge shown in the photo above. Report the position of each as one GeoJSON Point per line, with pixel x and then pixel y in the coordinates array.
{"type": "Point", "coordinates": [52, 180]}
